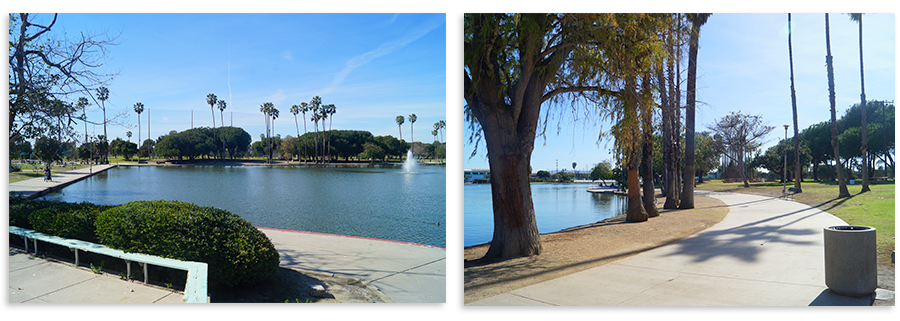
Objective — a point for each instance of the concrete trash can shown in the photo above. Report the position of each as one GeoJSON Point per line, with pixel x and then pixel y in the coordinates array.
{"type": "Point", "coordinates": [851, 260]}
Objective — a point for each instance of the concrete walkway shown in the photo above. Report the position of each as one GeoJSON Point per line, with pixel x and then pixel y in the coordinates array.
{"type": "Point", "coordinates": [765, 252]}
{"type": "Point", "coordinates": [36, 280]}
{"type": "Point", "coordinates": [37, 186]}
{"type": "Point", "coordinates": [404, 272]}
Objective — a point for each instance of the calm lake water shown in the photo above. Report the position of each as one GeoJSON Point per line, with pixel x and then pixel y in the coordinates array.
{"type": "Point", "coordinates": [377, 202]}
{"type": "Point", "coordinates": [556, 207]}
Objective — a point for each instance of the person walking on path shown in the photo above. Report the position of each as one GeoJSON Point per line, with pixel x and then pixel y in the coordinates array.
{"type": "Point", "coordinates": [47, 174]}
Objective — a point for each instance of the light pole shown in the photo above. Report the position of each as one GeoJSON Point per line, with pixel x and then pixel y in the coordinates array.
{"type": "Point", "coordinates": [784, 170]}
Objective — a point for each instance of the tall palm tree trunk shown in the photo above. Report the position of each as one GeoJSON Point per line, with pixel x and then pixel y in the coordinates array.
{"type": "Point", "coordinates": [798, 175]}
{"type": "Point", "coordinates": [329, 139]}
{"type": "Point", "coordinates": [670, 135]}
{"type": "Point", "coordinates": [842, 185]}
{"type": "Point", "coordinates": [316, 124]}
{"type": "Point", "coordinates": [296, 123]}
{"type": "Point", "coordinates": [687, 191]}
{"type": "Point", "coordinates": [862, 105]}
{"type": "Point", "coordinates": [647, 149]}
{"type": "Point", "coordinates": [304, 133]}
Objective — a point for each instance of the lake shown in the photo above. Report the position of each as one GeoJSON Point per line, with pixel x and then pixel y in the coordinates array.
{"type": "Point", "coordinates": [556, 207]}
{"type": "Point", "coordinates": [376, 202]}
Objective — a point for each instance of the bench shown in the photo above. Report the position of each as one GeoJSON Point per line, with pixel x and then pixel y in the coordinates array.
{"type": "Point", "coordinates": [790, 192]}
{"type": "Point", "coordinates": [195, 290]}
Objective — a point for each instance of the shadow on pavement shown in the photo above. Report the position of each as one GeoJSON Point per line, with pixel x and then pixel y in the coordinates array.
{"type": "Point", "coordinates": [830, 298]}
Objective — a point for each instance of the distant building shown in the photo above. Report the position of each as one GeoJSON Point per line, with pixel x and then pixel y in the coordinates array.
{"type": "Point", "coordinates": [477, 175]}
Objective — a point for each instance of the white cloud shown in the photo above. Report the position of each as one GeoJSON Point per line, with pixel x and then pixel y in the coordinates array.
{"type": "Point", "coordinates": [287, 55]}
{"type": "Point", "coordinates": [393, 18]}
{"type": "Point", "coordinates": [386, 48]}
{"type": "Point", "coordinates": [276, 98]}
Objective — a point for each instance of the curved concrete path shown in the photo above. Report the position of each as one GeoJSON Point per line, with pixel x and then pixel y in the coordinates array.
{"type": "Point", "coordinates": [765, 252]}
{"type": "Point", "coordinates": [35, 187]}
{"type": "Point", "coordinates": [404, 272]}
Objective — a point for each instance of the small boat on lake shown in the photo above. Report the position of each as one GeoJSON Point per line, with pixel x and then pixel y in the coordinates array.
{"type": "Point", "coordinates": [610, 189]}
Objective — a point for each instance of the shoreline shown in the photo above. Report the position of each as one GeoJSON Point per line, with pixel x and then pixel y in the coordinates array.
{"type": "Point", "coordinates": [350, 236]}
{"type": "Point", "coordinates": [277, 164]}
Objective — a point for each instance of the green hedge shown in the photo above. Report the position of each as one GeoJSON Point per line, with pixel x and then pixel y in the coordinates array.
{"type": "Point", "coordinates": [20, 209]}
{"type": "Point", "coordinates": [237, 253]}
{"type": "Point", "coordinates": [69, 220]}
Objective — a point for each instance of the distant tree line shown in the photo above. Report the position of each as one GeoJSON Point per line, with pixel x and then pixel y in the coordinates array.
{"type": "Point", "coordinates": [816, 151]}
{"type": "Point", "coordinates": [345, 144]}
{"type": "Point", "coordinates": [203, 142]}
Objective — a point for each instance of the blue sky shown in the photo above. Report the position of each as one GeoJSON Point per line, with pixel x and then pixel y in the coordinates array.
{"type": "Point", "coordinates": [743, 65]}
{"type": "Point", "coordinates": [372, 67]}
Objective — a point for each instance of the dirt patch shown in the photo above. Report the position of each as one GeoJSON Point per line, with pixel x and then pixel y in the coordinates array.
{"type": "Point", "coordinates": [583, 247]}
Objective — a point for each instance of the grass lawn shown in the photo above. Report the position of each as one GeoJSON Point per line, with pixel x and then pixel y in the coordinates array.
{"type": "Point", "coordinates": [874, 208]}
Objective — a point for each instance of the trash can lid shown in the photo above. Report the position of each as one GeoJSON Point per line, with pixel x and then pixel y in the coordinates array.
{"type": "Point", "coordinates": [850, 228]}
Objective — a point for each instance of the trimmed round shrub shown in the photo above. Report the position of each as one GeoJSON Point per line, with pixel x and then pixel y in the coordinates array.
{"type": "Point", "coordinates": [237, 253]}
{"type": "Point", "coordinates": [69, 220]}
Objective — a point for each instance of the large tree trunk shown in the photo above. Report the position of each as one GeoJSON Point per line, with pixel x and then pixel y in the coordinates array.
{"type": "Point", "coordinates": [509, 119]}
{"type": "Point", "coordinates": [515, 227]}
{"type": "Point", "coordinates": [635, 211]}
{"type": "Point", "coordinates": [842, 184]}
{"type": "Point", "coordinates": [509, 137]}
{"type": "Point", "coordinates": [816, 171]}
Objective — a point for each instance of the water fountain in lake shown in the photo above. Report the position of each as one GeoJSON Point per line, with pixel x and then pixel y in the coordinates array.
{"type": "Point", "coordinates": [410, 164]}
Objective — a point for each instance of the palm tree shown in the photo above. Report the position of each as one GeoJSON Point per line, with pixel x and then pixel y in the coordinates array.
{"type": "Point", "coordinates": [128, 134]}
{"type": "Point", "coordinates": [314, 105]}
{"type": "Point", "coordinates": [222, 106]}
{"type": "Point", "coordinates": [412, 120]}
{"type": "Point", "coordinates": [304, 107]}
{"type": "Point", "coordinates": [400, 121]}
{"type": "Point", "coordinates": [797, 173]}
{"type": "Point", "coordinates": [842, 185]}
{"type": "Point", "coordinates": [329, 109]}
{"type": "Point", "coordinates": [295, 109]}
{"type": "Point", "coordinates": [857, 17]}
{"type": "Point", "coordinates": [273, 112]}
{"type": "Point", "coordinates": [323, 114]}
{"type": "Point", "coordinates": [83, 103]}
{"type": "Point", "coordinates": [443, 126]}
{"type": "Point", "coordinates": [265, 109]}
{"type": "Point", "coordinates": [139, 108]}
{"type": "Point", "coordinates": [687, 191]}
{"type": "Point", "coordinates": [437, 129]}
{"type": "Point", "coordinates": [103, 95]}
{"type": "Point", "coordinates": [211, 100]}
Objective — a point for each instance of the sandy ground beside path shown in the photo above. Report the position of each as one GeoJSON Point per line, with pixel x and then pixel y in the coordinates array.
{"type": "Point", "coordinates": [583, 247]}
